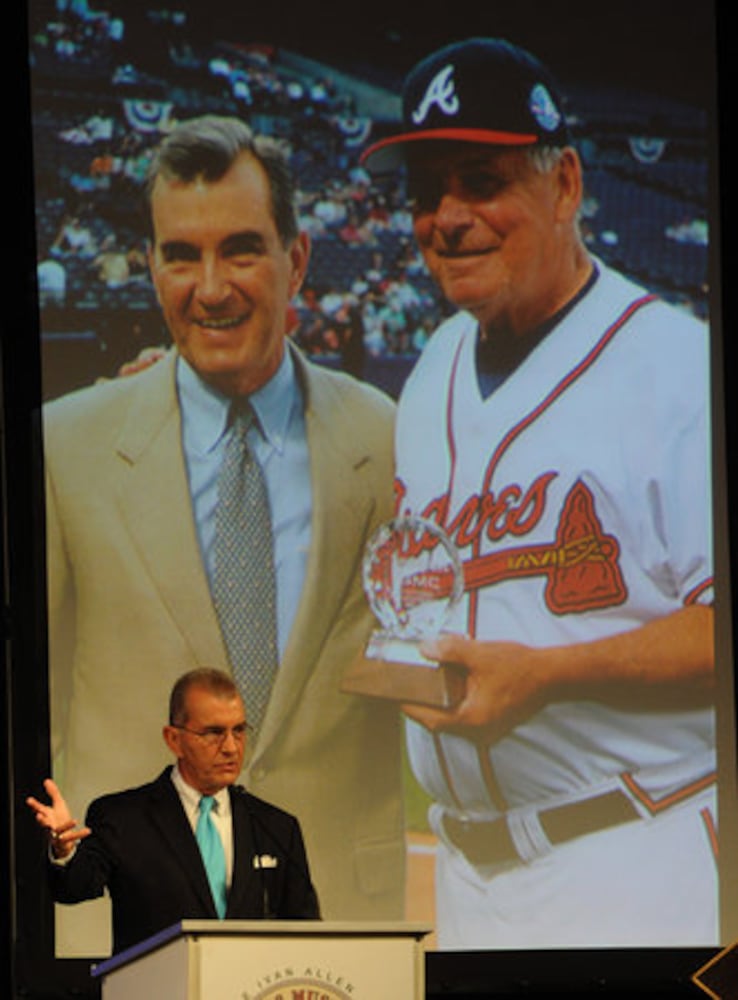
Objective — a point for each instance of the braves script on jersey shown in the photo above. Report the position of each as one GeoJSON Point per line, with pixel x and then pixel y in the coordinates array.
{"type": "Point", "coordinates": [578, 497]}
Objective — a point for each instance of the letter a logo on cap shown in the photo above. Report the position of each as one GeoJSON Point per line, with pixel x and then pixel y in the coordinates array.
{"type": "Point", "coordinates": [441, 92]}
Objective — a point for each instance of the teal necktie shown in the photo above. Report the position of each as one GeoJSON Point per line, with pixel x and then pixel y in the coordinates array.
{"type": "Point", "coordinates": [213, 856]}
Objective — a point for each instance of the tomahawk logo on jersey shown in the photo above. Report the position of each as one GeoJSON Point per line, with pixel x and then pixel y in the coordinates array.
{"type": "Point", "coordinates": [578, 515]}
{"type": "Point", "coordinates": [585, 506]}
{"type": "Point", "coordinates": [580, 564]}
{"type": "Point", "coordinates": [571, 471]}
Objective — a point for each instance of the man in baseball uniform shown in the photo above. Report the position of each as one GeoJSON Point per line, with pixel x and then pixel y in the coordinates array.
{"type": "Point", "coordinates": [557, 428]}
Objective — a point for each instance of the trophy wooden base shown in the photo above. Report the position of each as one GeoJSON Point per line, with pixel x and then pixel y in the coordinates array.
{"type": "Point", "coordinates": [440, 686]}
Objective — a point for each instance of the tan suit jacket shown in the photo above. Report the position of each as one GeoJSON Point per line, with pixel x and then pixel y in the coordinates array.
{"type": "Point", "coordinates": [130, 610]}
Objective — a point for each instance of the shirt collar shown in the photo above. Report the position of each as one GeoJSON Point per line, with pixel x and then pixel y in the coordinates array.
{"type": "Point", "coordinates": [276, 401]}
{"type": "Point", "coordinates": [205, 410]}
{"type": "Point", "coordinates": [191, 797]}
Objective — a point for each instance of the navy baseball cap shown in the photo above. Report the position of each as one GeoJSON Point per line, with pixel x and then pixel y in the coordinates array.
{"type": "Point", "coordinates": [482, 90]}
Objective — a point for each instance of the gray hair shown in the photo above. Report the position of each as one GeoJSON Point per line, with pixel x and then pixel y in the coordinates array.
{"type": "Point", "coordinates": [215, 682]}
{"type": "Point", "coordinates": [207, 147]}
{"type": "Point", "coordinates": [544, 158]}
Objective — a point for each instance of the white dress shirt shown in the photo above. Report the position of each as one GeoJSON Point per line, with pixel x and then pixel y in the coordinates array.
{"type": "Point", "coordinates": [220, 815]}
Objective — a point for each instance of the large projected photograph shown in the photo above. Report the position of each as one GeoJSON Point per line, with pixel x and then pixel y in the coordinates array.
{"type": "Point", "coordinates": [434, 309]}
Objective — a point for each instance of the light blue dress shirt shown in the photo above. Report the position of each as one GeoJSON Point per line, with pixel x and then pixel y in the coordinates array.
{"type": "Point", "coordinates": [279, 445]}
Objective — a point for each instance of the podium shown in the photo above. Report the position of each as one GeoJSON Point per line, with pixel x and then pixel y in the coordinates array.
{"type": "Point", "coordinates": [271, 960]}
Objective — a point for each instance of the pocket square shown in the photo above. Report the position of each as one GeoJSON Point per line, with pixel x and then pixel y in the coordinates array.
{"type": "Point", "coordinates": [265, 861]}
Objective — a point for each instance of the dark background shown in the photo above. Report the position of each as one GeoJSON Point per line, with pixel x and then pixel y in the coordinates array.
{"type": "Point", "coordinates": [662, 44]}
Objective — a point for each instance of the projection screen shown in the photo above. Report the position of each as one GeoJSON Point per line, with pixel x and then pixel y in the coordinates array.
{"type": "Point", "coordinates": [107, 85]}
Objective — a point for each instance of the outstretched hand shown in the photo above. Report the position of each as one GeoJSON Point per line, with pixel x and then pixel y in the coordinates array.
{"type": "Point", "coordinates": [61, 828]}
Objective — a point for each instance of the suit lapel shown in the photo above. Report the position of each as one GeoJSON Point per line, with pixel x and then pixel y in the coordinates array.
{"type": "Point", "coordinates": [160, 523]}
{"type": "Point", "coordinates": [244, 898]}
{"type": "Point", "coordinates": [155, 506]}
{"type": "Point", "coordinates": [168, 818]}
{"type": "Point", "coordinates": [340, 514]}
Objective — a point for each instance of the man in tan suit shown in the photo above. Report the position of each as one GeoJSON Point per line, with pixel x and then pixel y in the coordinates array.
{"type": "Point", "coordinates": [131, 495]}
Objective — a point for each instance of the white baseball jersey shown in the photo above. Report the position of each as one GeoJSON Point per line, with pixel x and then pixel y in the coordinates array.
{"type": "Point", "coordinates": [578, 497]}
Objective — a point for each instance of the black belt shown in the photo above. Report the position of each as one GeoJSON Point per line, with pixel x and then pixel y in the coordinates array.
{"type": "Point", "coordinates": [488, 843]}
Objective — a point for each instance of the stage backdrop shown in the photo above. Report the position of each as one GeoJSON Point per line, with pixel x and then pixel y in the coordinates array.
{"type": "Point", "coordinates": [107, 84]}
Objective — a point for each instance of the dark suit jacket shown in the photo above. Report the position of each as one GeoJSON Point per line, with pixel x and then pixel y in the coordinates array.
{"type": "Point", "coordinates": [142, 849]}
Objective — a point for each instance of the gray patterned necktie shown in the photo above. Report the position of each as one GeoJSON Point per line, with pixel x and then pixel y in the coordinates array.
{"type": "Point", "coordinates": [244, 584]}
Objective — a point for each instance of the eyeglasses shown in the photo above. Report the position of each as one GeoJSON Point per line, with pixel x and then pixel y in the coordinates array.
{"type": "Point", "coordinates": [215, 736]}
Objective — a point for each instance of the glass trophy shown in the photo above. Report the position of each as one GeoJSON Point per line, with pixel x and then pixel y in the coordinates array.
{"type": "Point", "coordinates": [413, 578]}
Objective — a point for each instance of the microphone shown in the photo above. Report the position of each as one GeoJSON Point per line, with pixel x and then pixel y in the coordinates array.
{"type": "Point", "coordinates": [288, 855]}
{"type": "Point", "coordinates": [266, 909]}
